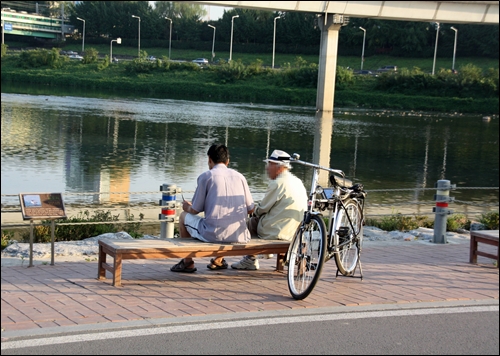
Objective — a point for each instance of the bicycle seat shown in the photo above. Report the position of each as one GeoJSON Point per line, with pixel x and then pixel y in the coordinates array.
{"type": "Point", "coordinates": [339, 181]}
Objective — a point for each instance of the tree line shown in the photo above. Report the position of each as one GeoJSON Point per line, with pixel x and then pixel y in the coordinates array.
{"type": "Point", "coordinates": [296, 32]}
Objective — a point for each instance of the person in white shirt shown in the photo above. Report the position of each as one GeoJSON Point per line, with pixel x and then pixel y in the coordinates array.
{"type": "Point", "coordinates": [281, 210]}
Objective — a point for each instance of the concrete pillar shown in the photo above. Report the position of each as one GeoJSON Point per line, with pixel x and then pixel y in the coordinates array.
{"type": "Point", "coordinates": [327, 61]}
{"type": "Point", "coordinates": [323, 143]}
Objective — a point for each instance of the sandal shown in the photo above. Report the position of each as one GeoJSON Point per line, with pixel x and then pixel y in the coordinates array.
{"type": "Point", "coordinates": [214, 266]}
{"type": "Point", "coordinates": [181, 267]}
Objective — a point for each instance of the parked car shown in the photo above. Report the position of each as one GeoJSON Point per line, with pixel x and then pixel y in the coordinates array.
{"type": "Point", "coordinates": [364, 72]}
{"type": "Point", "coordinates": [69, 53]}
{"type": "Point", "coordinates": [388, 69]}
{"type": "Point", "coordinates": [151, 58]}
{"type": "Point", "coordinates": [75, 56]}
{"type": "Point", "coordinates": [201, 61]}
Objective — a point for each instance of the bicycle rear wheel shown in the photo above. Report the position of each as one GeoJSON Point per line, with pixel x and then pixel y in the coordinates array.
{"type": "Point", "coordinates": [347, 239]}
{"type": "Point", "coordinates": [306, 257]}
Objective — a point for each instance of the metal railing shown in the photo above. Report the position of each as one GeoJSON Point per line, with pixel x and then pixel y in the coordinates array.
{"type": "Point", "coordinates": [73, 202]}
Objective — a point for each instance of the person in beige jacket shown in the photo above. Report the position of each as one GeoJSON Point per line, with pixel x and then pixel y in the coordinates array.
{"type": "Point", "coordinates": [281, 210]}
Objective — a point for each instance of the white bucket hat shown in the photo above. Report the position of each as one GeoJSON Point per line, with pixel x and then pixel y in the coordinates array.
{"type": "Point", "coordinates": [280, 157]}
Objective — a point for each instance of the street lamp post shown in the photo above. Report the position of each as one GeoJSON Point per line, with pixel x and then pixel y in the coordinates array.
{"type": "Point", "coordinates": [363, 51]}
{"type": "Point", "coordinates": [454, 48]}
{"type": "Point", "coordinates": [231, 47]}
{"type": "Point", "coordinates": [435, 48]}
{"type": "Point", "coordinates": [119, 41]}
{"type": "Point", "coordinates": [170, 38]}
{"type": "Point", "coordinates": [139, 43]}
{"type": "Point", "coordinates": [213, 43]}
{"type": "Point", "coordinates": [274, 38]}
{"type": "Point", "coordinates": [83, 37]}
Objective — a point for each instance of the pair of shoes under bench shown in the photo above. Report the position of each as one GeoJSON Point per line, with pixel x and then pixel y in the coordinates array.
{"type": "Point", "coordinates": [248, 263]}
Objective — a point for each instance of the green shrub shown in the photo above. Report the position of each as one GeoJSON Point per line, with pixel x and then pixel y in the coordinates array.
{"type": "Point", "coordinates": [230, 72]}
{"type": "Point", "coordinates": [4, 49]}
{"type": "Point", "coordinates": [400, 222]}
{"type": "Point", "coordinates": [42, 233]}
{"type": "Point", "coordinates": [41, 58]}
{"type": "Point", "coordinates": [7, 236]}
{"type": "Point", "coordinates": [457, 222]}
{"type": "Point", "coordinates": [104, 63]}
{"type": "Point", "coordinates": [90, 56]}
{"type": "Point", "coordinates": [489, 220]}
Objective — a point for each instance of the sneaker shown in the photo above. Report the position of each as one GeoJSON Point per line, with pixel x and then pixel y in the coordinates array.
{"type": "Point", "coordinates": [266, 256]}
{"type": "Point", "coordinates": [247, 262]}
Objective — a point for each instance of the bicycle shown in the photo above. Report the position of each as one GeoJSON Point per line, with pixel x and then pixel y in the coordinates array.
{"type": "Point", "coordinates": [313, 244]}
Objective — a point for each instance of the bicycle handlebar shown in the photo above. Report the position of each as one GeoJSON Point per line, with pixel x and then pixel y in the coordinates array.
{"type": "Point", "coordinates": [295, 159]}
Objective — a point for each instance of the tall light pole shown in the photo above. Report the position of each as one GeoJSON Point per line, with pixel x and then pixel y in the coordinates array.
{"type": "Point", "coordinates": [274, 38]}
{"type": "Point", "coordinates": [139, 43]}
{"type": "Point", "coordinates": [213, 43]}
{"type": "Point", "coordinates": [231, 47]}
{"type": "Point", "coordinates": [170, 39]}
{"type": "Point", "coordinates": [119, 41]}
{"type": "Point", "coordinates": [454, 48]}
{"type": "Point", "coordinates": [435, 48]}
{"type": "Point", "coordinates": [363, 51]}
{"type": "Point", "coordinates": [83, 37]}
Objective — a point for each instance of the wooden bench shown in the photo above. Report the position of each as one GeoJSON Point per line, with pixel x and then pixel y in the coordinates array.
{"type": "Point", "coordinates": [121, 250]}
{"type": "Point", "coordinates": [489, 237]}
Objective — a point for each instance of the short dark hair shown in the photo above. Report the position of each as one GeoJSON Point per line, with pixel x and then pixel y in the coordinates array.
{"type": "Point", "coordinates": [218, 153]}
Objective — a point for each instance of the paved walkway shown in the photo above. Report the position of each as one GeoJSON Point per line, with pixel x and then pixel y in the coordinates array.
{"type": "Point", "coordinates": [67, 296]}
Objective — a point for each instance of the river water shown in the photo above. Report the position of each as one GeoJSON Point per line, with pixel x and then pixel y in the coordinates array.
{"type": "Point", "coordinates": [123, 149]}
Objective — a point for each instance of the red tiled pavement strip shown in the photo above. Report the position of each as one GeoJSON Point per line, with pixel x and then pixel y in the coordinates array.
{"type": "Point", "coordinates": [69, 294]}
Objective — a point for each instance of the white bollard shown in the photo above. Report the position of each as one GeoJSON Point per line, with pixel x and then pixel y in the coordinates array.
{"type": "Point", "coordinates": [168, 213]}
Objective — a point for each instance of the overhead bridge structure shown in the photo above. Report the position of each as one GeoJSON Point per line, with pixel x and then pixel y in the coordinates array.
{"type": "Point", "coordinates": [334, 14]}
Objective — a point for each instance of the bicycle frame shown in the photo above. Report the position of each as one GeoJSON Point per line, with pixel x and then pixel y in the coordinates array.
{"type": "Point", "coordinates": [332, 205]}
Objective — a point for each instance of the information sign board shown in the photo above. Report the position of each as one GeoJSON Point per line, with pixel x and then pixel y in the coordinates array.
{"type": "Point", "coordinates": [8, 26]}
{"type": "Point", "coordinates": [42, 206]}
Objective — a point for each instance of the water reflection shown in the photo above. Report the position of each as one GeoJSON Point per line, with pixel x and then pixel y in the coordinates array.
{"type": "Point", "coordinates": [322, 144]}
{"type": "Point", "coordinates": [121, 145]}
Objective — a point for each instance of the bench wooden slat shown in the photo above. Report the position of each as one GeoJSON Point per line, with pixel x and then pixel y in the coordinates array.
{"type": "Point", "coordinates": [178, 248]}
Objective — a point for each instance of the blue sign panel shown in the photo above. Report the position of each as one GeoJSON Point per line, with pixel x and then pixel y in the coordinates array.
{"type": "Point", "coordinates": [8, 26]}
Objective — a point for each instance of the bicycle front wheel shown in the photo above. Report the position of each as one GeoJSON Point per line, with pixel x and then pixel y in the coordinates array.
{"type": "Point", "coordinates": [306, 258]}
{"type": "Point", "coordinates": [347, 239]}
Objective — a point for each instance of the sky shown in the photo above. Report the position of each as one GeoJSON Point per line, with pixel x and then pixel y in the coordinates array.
{"type": "Point", "coordinates": [216, 12]}
{"type": "Point", "coordinates": [213, 12]}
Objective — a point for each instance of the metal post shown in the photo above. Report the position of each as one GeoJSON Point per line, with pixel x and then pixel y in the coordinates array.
{"type": "Point", "coordinates": [231, 46]}
{"type": "Point", "coordinates": [435, 48]}
{"type": "Point", "coordinates": [213, 43]}
{"type": "Point", "coordinates": [442, 198]}
{"type": "Point", "coordinates": [454, 47]}
{"type": "Point", "coordinates": [31, 243]}
{"type": "Point", "coordinates": [52, 240]}
{"type": "Point", "coordinates": [83, 37]}
{"type": "Point", "coordinates": [168, 212]}
{"type": "Point", "coordinates": [274, 38]}
{"type": "Point", "coordinates": [170, 39]}
{"type": "Point", "coordinates": [363, 50]}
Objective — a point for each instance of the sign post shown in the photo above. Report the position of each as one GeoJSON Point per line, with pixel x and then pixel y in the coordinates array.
{"type": "Point", "coordinates": [40, 206]}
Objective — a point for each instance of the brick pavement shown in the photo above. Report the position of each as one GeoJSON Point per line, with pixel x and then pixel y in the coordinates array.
{"type": "Point", "coordinates": [68, 293]}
